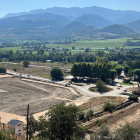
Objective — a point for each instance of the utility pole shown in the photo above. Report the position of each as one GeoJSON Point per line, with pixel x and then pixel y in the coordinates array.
{"type": "Point", "coordinates": [90, 106]}
{"type": "Point", "coordinates": [27, 121]}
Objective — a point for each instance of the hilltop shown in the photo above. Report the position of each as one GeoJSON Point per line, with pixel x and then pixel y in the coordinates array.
{"type": "Point", "coordinates": [135, 25]}
{"type": "Point", "coordinates": [118, 29]}
{"type": "Point", "coordinates": [93, 20]}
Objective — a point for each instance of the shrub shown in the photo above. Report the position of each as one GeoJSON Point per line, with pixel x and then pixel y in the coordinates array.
{"type": "Point", "coordinates": [2, 70]}
{"type": "Point", "coordinates": [98, 122]}
{"type": "Point", "coordinates": [120, 61]}
{"type": "Point", "coordinates": [133, 98]}
{"type": "Point", "coordinates": [126, 132]}
{"type": "Point", "coordinates": [101, 86]}
{"type": "Point", "coordinates": [81, 115]}
{"type": "Point", "coordinates": [26, 63]}
{"type": "Point", "coordinates": [15, 69]}
{"type": "Point", "coordinates": [92, 89]}
{"type": "Point", "coordinates": [66, 85]}
{"type": "Point", "coordinates": [89, 114]}
{"type": "Point", "coordinates": [56, 74]}
{"type": "Point", "coordinates": [109, 106]}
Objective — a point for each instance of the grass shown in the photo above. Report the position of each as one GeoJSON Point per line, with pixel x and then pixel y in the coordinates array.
{"type": "Point", "coordinates": [94, 89]}
{"type": "Point", "coordinates": [128, 94]}
{"type": "Point", "coordinates": [128, 84]}
{"type": "Point", "coordinates": [35, 52]}
{"type": "Point", "coordinates": [95, 44]}
{"type": "Point", "coordinates": [98, 102]}
{"type": "Point", "coordinates": [14, 49]}
{"type": "Point", "coordinates": [132, 46]}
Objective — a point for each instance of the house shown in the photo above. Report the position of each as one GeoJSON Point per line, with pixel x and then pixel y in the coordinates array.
{"type": "Point", "coordinates": [126, 80]}
{"type": "Point", "coordinates": [17, 126]}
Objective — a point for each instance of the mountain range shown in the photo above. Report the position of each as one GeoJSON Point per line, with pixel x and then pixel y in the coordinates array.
{"type": "Point", "coordinates": [61, 22]}
{"type": "Point", "coordinates": [112, 15]}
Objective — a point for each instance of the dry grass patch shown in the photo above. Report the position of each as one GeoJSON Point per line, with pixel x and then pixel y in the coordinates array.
{"type": "Point", "coordinates": [40, 96]}
{"type": "Point", "coordinates": [100, 100]}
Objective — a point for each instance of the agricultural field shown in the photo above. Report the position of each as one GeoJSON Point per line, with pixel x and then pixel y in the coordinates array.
{"type": "Point", "coordinates": [14, 49]}
{"type": "Point", "coordinates": [42, 70]}
{"type": "Point", "coordinates": [94, 45]}
{"type": "Point", "coordinates": [16, 94]}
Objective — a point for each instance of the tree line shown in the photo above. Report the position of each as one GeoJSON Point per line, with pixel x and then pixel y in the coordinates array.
{"type": "Point", "coordinates": [100, 71]}
{"type": "Point", "coordinates": [67, 56]}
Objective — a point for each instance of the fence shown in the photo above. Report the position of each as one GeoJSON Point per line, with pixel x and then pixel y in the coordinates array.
{"type": "Point", "coordinates": [7, 128]}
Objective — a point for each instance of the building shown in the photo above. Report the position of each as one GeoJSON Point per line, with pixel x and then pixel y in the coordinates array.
{"type": "Point", "coordinates": [17, 126]}
{"type": "Point", "coordinates": [126, 80]}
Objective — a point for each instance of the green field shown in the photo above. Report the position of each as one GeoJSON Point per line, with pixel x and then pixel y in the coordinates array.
{"type": "Point", "coordinates": [35, 52]}
{"type": "Point", "coordinates": [132, 46]}
{"type": "Point", "coordinates": [14, 49]}
{"type": "Point", "coordinates": [94, 45]}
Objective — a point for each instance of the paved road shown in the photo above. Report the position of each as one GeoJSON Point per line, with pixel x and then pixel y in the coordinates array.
{"type": "Point", "coordinates": [84, 90]}
{"type": "Point", "coordinates": [39, 66]}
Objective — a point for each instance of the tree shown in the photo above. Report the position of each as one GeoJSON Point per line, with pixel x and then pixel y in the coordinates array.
{"type": "Point", "coordinates": [83, 69]}
{"type": "Point", "coordinates": [129, 62]}
{"type": "Point", "coordinates": [61, 123]}
{"type": "Point", "coordinates": [88, 72]}
{"type": "Point", "coordinates": [31, 52]}
{"type": "Point", "coordinates": [81, 115]}
{"type": "Point", "coordinates": [74, 70]}
{"type": "Point", "coordinates": [10, 52]}
{"type": "Point", "coordinates": [73, 48]}
{"type": "Point", "coordinates": [2, 70]}
{"type": "Point", "coordinates": [137, 72]}
{"type": "Point", "coordinates": [87, 50]}
{"type": "Point", "coordinates": [15, 69]}
{"type": "Point", "coordinates": [120, 61]}
{"type": "Point", "coordinates": [126, 69]}
{"type": "Point", "coordinates": [118, 68]}
{"type": "Point", "coordinates": [56, 74]}
{"type": "Point", "coordinates": [109, 106]}
{"type": "Point", "coordinates": [31, 126]}
{"type": "Point", "coordinates": [40, 51]}
{"type": "Point", "coordinates": [26, 63]}
{"type": "Point", "coordinates": [130, 74]}
{"type": "Point", "coordinates": [113, 74]}
{"type": "Point", "coordinates": [100, 85]}
{"type": "Point", "coordinates": [25, 52]}
{"type": "Point", "coordinates": [126, 132]}
{"type": "Point", "coordinates": [65, 53]}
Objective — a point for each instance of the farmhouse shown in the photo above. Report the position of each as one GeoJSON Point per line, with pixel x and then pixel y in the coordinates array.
{"type": "Point", "coordinates": [17, 126]}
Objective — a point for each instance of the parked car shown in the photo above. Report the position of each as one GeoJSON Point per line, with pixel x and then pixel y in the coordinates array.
{"type": "Point", "coordinates": [87, 83]}
{"type": "Point", "coordinates": [68, 83]}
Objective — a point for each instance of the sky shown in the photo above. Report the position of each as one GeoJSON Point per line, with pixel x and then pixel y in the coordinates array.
{"type": "Point", "coordinates": [14, 6]}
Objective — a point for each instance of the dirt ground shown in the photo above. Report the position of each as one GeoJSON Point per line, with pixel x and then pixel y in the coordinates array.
{"type": "Point", "coordinates": [130, 116]}
{"type": "Point", "coordinates": [100, 100]}
{"type": "Point", "coordinates": [15, 95]}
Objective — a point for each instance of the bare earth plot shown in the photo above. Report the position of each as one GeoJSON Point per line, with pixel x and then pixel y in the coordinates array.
{"type": "Point", "coordinates": [17, 94]}
{"type": "Point", "coordinates": [130, 116]}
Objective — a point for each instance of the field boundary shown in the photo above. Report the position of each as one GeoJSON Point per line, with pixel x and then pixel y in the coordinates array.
{"type": "Point", "coordinates": [109, 115]}
{"type": "Point", "coordinates": [56, 85]}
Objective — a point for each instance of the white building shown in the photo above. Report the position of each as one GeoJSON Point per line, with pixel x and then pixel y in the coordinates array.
{"type": "Point", "coordinates": [17, 126]}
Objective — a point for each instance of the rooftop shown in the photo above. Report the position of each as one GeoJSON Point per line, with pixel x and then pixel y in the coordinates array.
{"type": "Point", "coordinates": [14, 122]}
